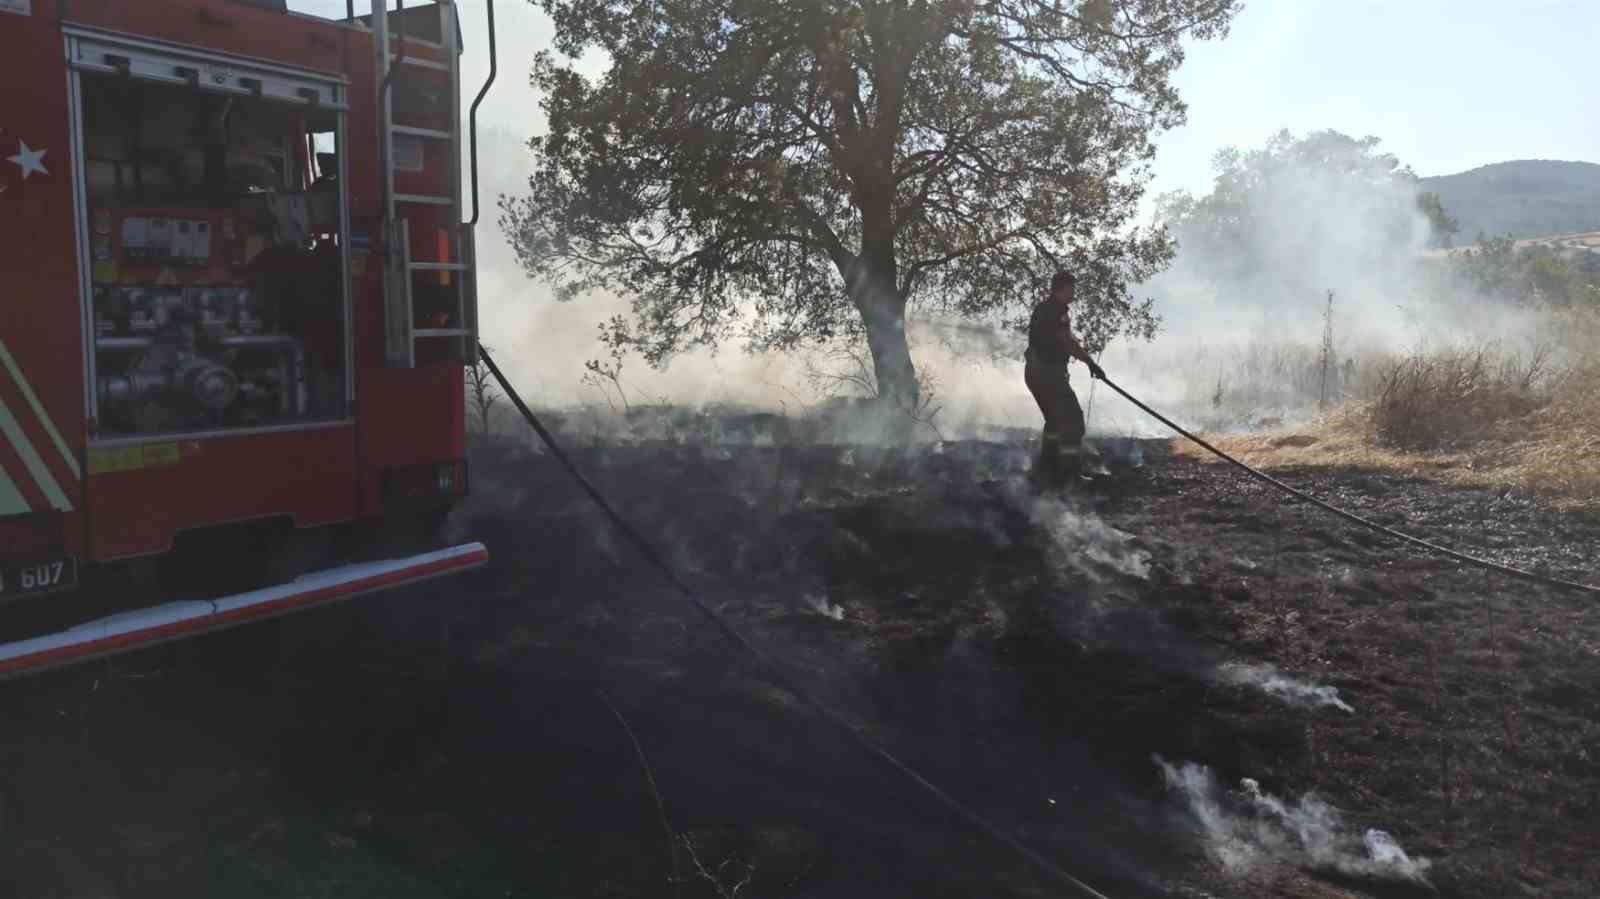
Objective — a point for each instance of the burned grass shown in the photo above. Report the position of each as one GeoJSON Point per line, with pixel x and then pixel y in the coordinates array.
{"type": "Point", "coordinates": [1034, 657]}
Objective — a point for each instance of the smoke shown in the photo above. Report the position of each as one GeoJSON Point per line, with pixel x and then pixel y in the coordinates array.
{"type": "Point", "coordinates": [1253, 334]}
{"type": "Point", "coordinates": [1087, 542]}
{"type": "Point", "coordinates": [821, 606]}
{"type": "Point", "coordinates": [1247, 828]}
{"type": "Point", "coordinates": [1281, 686]}
{"type": "Point", "coordinates": [1245, 305]}
{"type": "Point", "coordinates": [1237, 346]}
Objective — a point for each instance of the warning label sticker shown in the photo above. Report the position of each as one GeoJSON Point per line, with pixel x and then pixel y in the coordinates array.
{"type": "Point", "coordinates": [133, 458]}
{"type": "Point", "coordinates": [20, 7]}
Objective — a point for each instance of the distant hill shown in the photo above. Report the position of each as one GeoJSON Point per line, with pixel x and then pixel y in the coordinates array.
{"type": "Point", "coordinates": [1524, 198]}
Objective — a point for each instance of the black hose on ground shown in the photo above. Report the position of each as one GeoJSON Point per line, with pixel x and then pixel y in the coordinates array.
{"type": "Point", "coordinates": [1530, 576]}
{"type": "Point", "coordinates": [777, 675]}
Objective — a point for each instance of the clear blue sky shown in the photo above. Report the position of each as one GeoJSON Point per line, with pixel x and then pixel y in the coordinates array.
{"type": "Point", "coordinates": [1447, 84]}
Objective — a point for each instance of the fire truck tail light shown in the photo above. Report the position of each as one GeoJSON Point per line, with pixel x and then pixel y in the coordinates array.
{"type": "Point", "coordinates": [451, 478]}
{"type": "Point", "coordinates": [434, 480]}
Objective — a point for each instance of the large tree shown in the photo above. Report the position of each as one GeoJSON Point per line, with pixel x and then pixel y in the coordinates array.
{"type": "Point", "coordinates": [811, 167]}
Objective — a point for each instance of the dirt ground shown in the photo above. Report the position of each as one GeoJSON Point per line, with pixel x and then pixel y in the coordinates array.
{"type": "Point", "coordinates": [1038, 658]}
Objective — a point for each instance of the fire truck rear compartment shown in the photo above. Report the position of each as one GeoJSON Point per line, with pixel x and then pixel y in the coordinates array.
{"type": "Point", "coordinates": [217, 266]}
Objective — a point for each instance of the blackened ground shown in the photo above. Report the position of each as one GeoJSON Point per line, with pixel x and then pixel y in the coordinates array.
{"type": "Point", "coordinates": [1031, 656]}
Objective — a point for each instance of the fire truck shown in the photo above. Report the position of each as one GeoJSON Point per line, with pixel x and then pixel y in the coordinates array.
{"type": "Point", "coordinates": [236, 296]}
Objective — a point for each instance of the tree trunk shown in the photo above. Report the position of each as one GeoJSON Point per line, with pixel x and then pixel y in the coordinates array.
{"type": "Point", "coordinates": [891, 356]}
{"type": "Point", "coordinates": [883, 309]}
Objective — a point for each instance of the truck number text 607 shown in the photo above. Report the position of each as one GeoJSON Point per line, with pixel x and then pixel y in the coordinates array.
{"type": "Point", "coordinates": [35, 577]}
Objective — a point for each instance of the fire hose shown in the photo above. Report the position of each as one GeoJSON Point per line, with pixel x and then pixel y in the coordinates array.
{"type": "Point", "coordinates": [766, 663]}
{"type": "Point", "coordinates": [1509, 571]}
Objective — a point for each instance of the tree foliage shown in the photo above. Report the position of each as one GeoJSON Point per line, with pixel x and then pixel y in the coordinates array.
{"type": "Point", "coordinates": [816, 166]}
{"type": "Point", "coordinates": [1442, 227]}
{"type": "Point", "coordinates": [1274, 209]}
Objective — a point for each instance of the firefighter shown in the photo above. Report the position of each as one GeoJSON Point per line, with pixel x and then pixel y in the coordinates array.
{"type": "Point", "coordinates": [1050, 346]}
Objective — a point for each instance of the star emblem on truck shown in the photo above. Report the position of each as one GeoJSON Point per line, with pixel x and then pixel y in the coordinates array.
{"type": "Point", "coordinates": [29, 160]}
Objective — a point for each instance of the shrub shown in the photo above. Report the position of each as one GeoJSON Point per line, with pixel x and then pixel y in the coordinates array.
{"type": "Point", "coordinates": [1441, 399]}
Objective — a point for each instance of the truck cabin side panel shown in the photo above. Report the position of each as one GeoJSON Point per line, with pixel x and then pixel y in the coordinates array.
{"type": "Point", "coordinates": [42, 396]}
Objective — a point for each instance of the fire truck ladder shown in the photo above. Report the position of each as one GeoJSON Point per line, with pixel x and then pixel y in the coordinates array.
{"type": "Point", "coordinates": [401, 270]}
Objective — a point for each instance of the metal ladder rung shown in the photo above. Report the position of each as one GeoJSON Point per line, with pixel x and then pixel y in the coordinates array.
{"type": "Point", "coordinates": [436, 266]}
{"type": "Point", "coordinates": [442, 332]}
{"type": "Point", "coordinates": [414, 131]}
{"type": "Point", "coordinates": [424, 200]}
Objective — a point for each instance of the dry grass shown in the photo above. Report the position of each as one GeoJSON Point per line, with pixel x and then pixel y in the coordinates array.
{"type": "Point", "coordinates": [1234, 383]}
{"type": "Point", "coordinates": [1565, 468]}
{"type": "Point", "coordinates": [1343, 438]}
{"type": "Point", "coordinates": [1456, 396]}
{"type": "Point", "coordinates": [1478, 417]}
{"type": "Point", "coordinates": [1561, 453]}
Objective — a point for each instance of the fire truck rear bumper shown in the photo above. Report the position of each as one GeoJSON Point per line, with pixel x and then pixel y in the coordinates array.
{"type": "Point", "coordinates": [178, 620]}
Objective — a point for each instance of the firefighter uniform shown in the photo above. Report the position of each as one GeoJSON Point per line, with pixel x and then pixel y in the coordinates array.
{"type": "Point", "coordinates": [1045, 373]}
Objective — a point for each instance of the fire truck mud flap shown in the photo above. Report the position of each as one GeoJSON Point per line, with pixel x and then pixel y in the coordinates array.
{"type": "Point", "coordinates": [178, 620]}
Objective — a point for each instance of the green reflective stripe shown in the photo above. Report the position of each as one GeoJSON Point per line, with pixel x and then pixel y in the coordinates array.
{"type": "Point", "coordinates": [38, 409]}
{"type": "Point", "coordinates": [30, 459]}
{"type": "Point", "coordinates": [11, 499]}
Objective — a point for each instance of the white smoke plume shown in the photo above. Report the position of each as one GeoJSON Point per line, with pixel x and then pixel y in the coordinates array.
{"type": "Point", "coordinates": [1281, 686]}
{"type": "Point", "coordinates": [1362, 245]}
{"type": "Point", "coordinates": [1247, 827]}
{"type": "Point", "coordinates": [1087, 542]}
{"type": "Point", "coordinates": [821, 606]}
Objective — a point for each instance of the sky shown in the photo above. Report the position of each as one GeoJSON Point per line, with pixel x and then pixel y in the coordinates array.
{"type": "Point", "coordinates": [1448, 85]}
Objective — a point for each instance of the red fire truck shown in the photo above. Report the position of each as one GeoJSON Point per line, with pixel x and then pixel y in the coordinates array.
{"type": "Point", "coordinates": [236, 295]}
